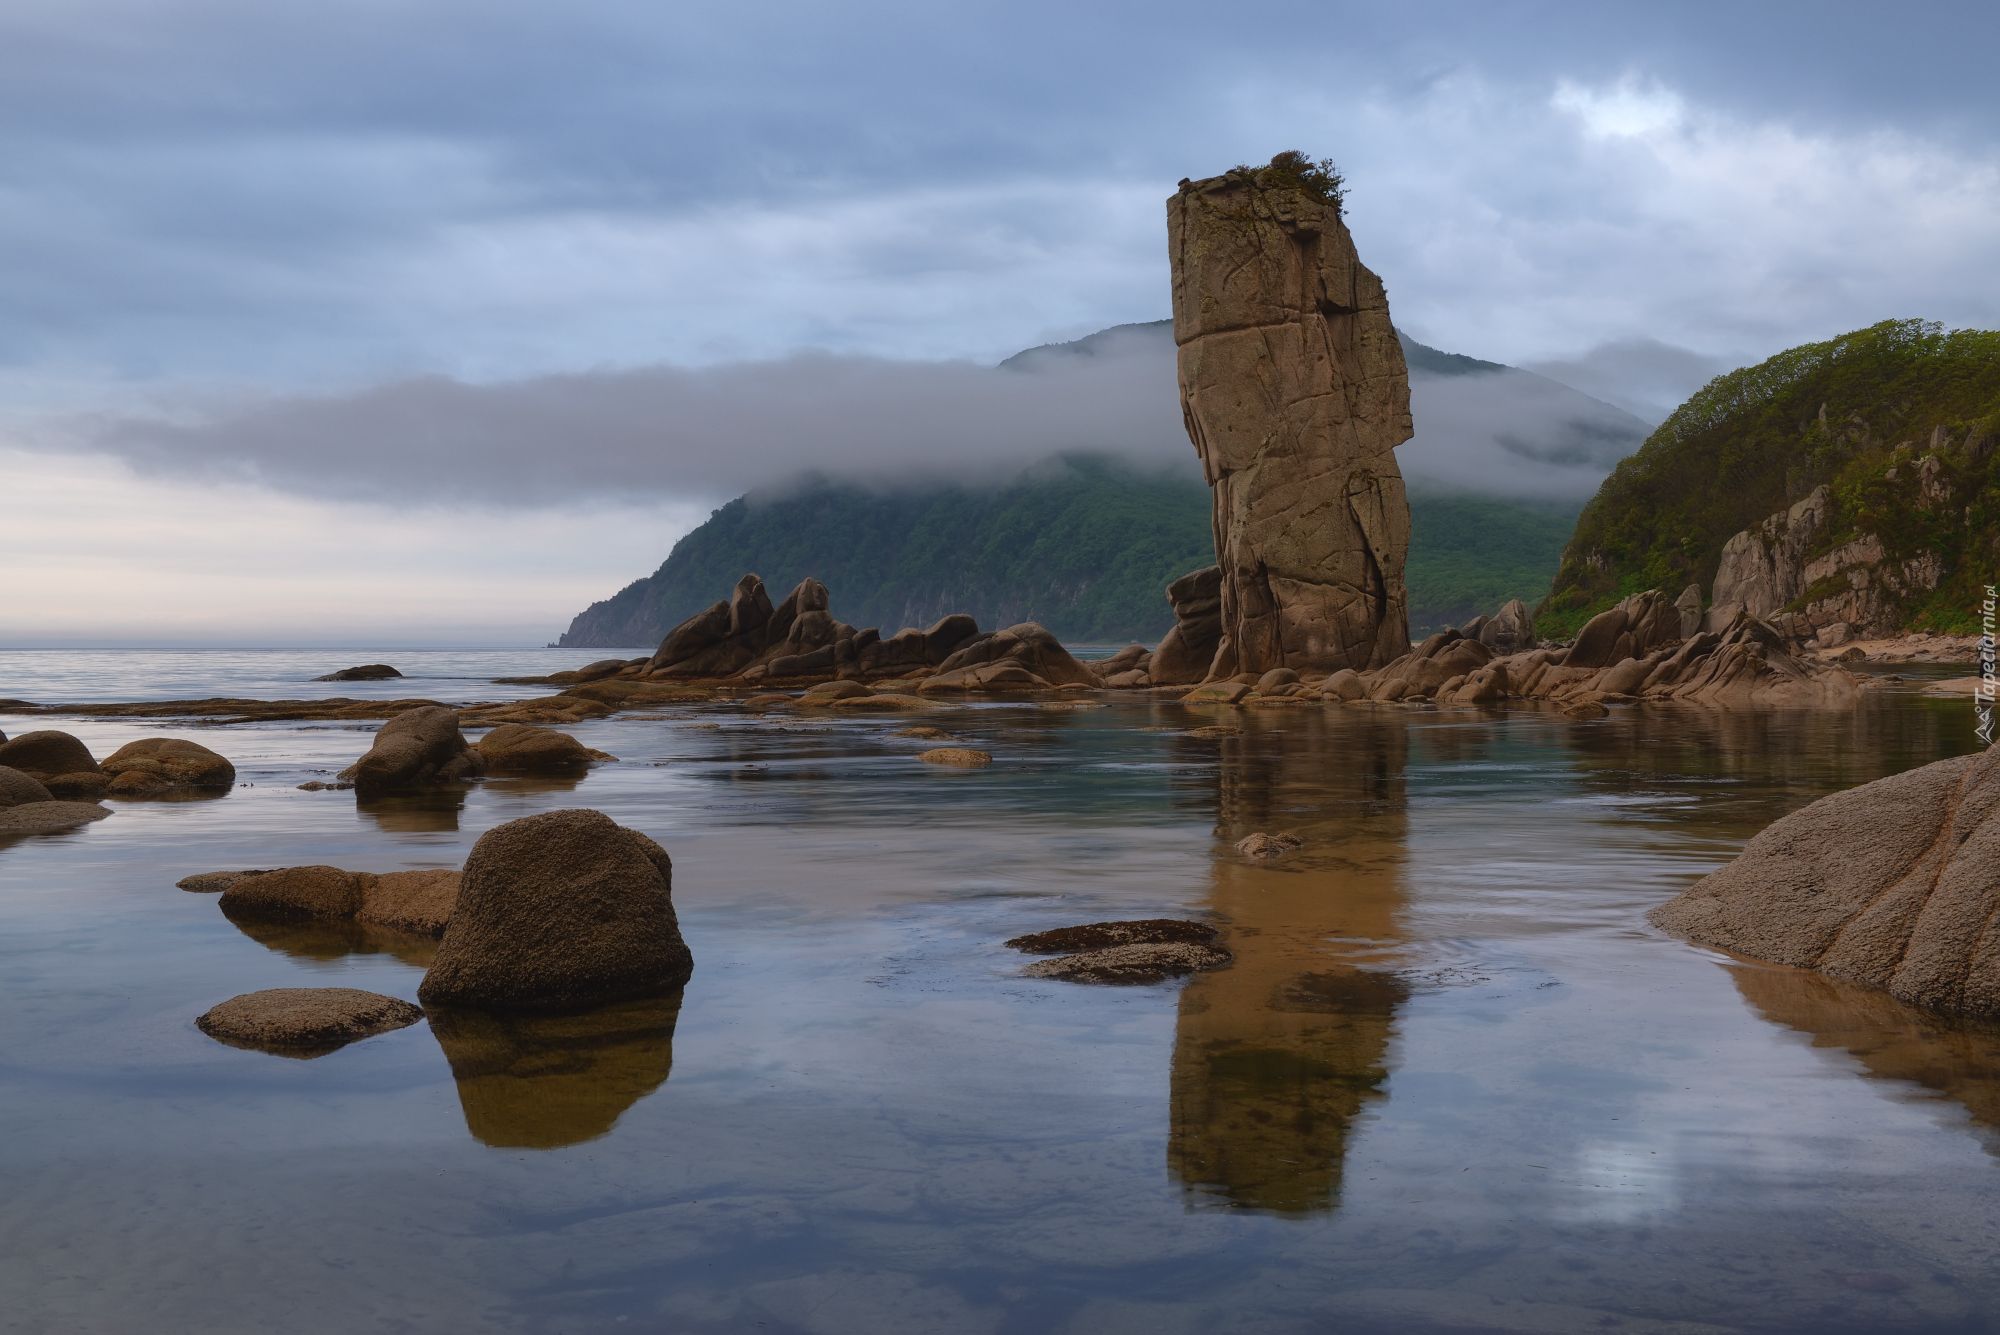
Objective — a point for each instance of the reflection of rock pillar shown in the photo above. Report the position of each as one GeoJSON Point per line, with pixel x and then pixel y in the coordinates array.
{"type": "Point", "coordinates": [1295, 394]}
{"type": "Point", "coordinates": [1275, 1055]}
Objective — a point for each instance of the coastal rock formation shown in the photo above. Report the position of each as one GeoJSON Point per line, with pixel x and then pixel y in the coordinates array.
{"type": "Point", "coordinates": [1295, 394]}
{"type": "Point", "coordinates": [1184, 654]}
{"type": "Point", "coordinates": [366, 672]}
{"type": "Point", "coordinates": [215, 882]}
{"type": "Point", "coordinates": [304, 1021]}
{"type": "Point", "coordinates": [417, 747]}
{"type": "Point", "coordinates": [1509, 631]}
{"type": "Point", "coordinates": [560, 911]}
{"type": "Point", "coordinates": [1148, 963]}
{"type": "Point", "coordinates": [1762, 566]}
{"type": "Point", "coordinates": [154, 764]}
{"type": "Point", "coordinates": [48, 817]}
{"type": "Point", "coordinates": [58, 761]}
{"type": "Point", "coordinates": [525, 749]}
{"type": "Point", "coordinates": [409, 901]}
{"type": "Point", "coordinates": [1895, 883]}
{"type": "Point", "coordinates": [17, 788]}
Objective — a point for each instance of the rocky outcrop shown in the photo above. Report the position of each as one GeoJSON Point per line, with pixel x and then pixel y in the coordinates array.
{"type": "Point", "coordinates": [366, 672]}
{"type": "Point", "coordinates": [1893, 884]}
{"type": "Point", "coordinates": [1511, 630]}
{"type": "Point", "coordinates": [416, 748]}
{"type": "Point", "coordinates": [58, 761]}
{"type": "Point", "coordinates": [1185, 653]}
{"type": "Point", "coordinates": [1019, 656]}
{"type": "Point", "coordinates": [1295, 394]}
{"type": "Point", "coordinates": [409, 901]}
{"type": "Point", "coordinates": [160, 764]}
{"type": "Point", "coordinates": [560, 911]}
{"type": "Point", "coordinates": [1761, 567]}
{"type": "Point", "coordinates": [520, 748]}
{"type": "Point", "coordinates": [304, 1021]}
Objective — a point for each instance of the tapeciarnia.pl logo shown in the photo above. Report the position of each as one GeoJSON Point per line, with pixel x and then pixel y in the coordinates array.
{"type": "Point", "coordinates": [1983, 694]}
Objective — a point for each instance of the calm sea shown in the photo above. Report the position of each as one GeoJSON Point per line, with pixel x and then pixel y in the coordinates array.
{"type": "Point", "coordinates": [1453, 1082]}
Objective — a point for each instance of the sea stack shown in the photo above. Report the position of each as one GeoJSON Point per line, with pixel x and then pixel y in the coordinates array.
{"type": "Point", "coordinates": [1295, 394]}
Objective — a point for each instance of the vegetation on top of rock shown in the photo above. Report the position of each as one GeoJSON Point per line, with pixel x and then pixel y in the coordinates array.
{"type": "Point", "coordinates": [1292, 168]}
{"type": "Point", "coordinates": [1844, 413]}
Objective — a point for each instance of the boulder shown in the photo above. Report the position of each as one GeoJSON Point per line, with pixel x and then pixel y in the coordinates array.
{"type": "Point", "coordinates": [1104, 935]}
{"type": "Point", "coordinates": [1220, 693]}
{"type": "Point", "coordinates": [1597, 643]}
{"type": "Point", "coordinates": [417, 747]}
{"type": "Point", "coordinates": [1133, 963]}
{"type": "Point", "coordinates": [560, 911]}
{"type": "Point", "coordinates": [47, 754]}
{"type": "Point", "coordinates": [1184, 655]}
{"type": "Point", "coordinates": [156, 763]}
{"type": "Point", "coordinates": [1269, 683]}
{"type": "Point", "coordinates": [1295, 395]}
{"type": "Point", "coordinates": [419, 902]}
{"type": "Point", "coordinates": [524, 749]}
{"type": "Point", "coordinates": [1345, 684]}
{"type": "Point", "coordinates": [366, 672]}
{"type": "Point", "coordinates": [295, 892]}
{"type": "Point", "coordinates": [1892, 884]}
{"type": "Point", "coordinates": [956, 757]}
{"type": "Point", "coordinates": [304, 1021]}
{"type": "Point", "coordinates": [48, 817]}
{"type": "Point", "coordinates": [925, 734]}
{"type": "Point", "coordinates": [17, 788]}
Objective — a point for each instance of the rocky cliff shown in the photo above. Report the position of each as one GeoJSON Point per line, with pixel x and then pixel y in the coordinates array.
{"type": "Point", "coordinates": [1295, 394]}
{"type": "Point", "coordinates": [1840, 483]}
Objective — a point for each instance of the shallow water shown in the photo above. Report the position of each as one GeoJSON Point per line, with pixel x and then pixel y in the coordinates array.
{"type": "Point", "coordinates": [1453, 1081]}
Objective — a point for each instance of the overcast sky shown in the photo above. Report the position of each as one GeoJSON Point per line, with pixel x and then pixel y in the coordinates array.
{"type": "Point", "coordinates": [257, 221]}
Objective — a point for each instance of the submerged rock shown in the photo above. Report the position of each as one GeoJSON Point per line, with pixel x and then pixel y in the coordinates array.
{"type": "Point", "coordinates": [959, 757]}
{"type": "Point", "coordinates": [1893, 884]}
{"type": "Point", "coordinates": [153, 764]}
{"type": "Point", "coordinates": [925, 734]}
{"type": "Point", "coordinates": [417, 747]}
{"type": "Point", "coordinates": [1150, 963]}
{"type": "Point", "coordinates": [1268, 845]}
{"type": "Point", "coordinates": [48, 817]}
{"type": "Point", "coordinates": [560, 911]}
{"type": "Point", "coordinates": [1295, 394]}
{"type": "Point", "coordinates": [305, 1021]}
{"type": "Point", "coordinates": [1104, 935]}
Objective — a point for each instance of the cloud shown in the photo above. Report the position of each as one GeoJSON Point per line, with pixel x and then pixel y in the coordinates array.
{"type": "Point", "coordinates": [1644, 376]}
{"type": "Point", "coordinates": [717, 431]}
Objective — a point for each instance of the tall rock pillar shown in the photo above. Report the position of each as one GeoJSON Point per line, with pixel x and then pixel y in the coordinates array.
{"type": "Point", "coordinates": [1295, 394]}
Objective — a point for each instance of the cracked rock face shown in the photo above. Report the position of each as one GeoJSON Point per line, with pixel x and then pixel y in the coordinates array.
{"type": "Point", "coordinates": [1295, 394]}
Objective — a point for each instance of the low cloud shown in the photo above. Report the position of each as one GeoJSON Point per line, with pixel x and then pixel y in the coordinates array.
{"type": "Point", "coordinates": [715, 432]}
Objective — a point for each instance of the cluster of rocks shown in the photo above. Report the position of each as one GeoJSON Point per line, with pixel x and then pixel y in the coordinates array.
{"type": "Point", "coordinates": [49, 780]}
{"type": "Point", "coordinates": [1645, 648]}
{"type": "Point", "coordinates": [1892, 884]}
{"type": "Point", "coordinates": [557, 912]}
{"type": "Point", "coordinates": [1146, 950]}
{"type": "Point", "coordinates": [423, 747]}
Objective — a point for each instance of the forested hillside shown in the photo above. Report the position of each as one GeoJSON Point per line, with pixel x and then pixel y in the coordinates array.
{"type": "Point", "coordinates": [1084, 545]}
{"type": "Point", "coordinates": [1899, 419]}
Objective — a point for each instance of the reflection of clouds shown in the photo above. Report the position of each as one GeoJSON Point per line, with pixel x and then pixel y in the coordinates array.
{"type": "Point", "coordinates": [1619, 1182]}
